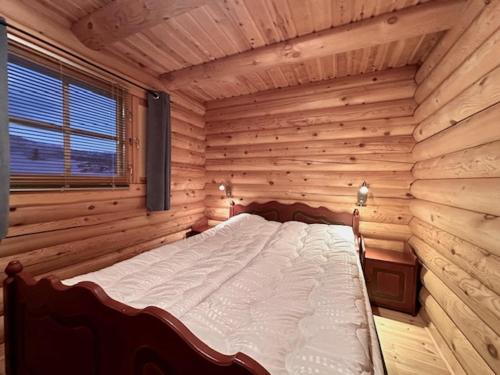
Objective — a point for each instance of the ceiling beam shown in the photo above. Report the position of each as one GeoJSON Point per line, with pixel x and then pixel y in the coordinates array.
{"type": "Point", "coordinates": [121, 18]}
{"type": "Point", "coordinates": [427, 18]}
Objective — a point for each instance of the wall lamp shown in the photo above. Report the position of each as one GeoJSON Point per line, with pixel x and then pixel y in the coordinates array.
{"type": "Point", "coordinates": [362, 194]}
{"type": "Point", "coordinates": [227, 188]}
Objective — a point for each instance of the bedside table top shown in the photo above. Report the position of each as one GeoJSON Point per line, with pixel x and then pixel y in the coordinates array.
{"type": "Point", "coordinates": [401, 257]}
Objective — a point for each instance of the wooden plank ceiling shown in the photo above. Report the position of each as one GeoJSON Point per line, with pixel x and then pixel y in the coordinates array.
{"type": "Point", "coordinates": [222, 28]}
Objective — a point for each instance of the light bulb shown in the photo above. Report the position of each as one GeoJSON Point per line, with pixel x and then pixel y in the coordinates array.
{"type": "Point", "coordinates": [222, 187]}
{"type": "Point", "coordinates": [363, 189]}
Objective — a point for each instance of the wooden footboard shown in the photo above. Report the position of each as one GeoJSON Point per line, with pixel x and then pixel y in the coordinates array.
{"type": "Point", "coordinates": [54, 329]}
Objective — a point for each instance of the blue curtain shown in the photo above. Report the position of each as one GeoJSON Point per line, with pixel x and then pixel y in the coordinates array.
{"type": "Point", "coordinates": [158, 152]}
{"type": "Point", "coordinates": [4, 134]}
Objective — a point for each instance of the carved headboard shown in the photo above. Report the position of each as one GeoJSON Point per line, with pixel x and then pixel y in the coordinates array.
{"type": "Point", "coordinates": [282, 213]}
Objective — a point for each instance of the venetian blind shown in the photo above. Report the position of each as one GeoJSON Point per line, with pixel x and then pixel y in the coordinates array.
{"type": "Point", "coordinates": [67, 129]}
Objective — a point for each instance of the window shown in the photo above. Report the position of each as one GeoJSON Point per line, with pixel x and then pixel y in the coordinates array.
{"type": "Point", "coordinates": [67, 129]}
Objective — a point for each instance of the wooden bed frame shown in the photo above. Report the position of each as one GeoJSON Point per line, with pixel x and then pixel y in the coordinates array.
{"type": "Point", "coordinates": [55, 329]}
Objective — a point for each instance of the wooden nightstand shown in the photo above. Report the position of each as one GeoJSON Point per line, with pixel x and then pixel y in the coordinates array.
{"type": "Point", "coordinates": [392, 279]}
{"type": "Point", "coordinates": [197, 228]}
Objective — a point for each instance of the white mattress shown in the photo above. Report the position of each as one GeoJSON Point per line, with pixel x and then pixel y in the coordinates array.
{"type": "Point", "coordinates": [289, 295]}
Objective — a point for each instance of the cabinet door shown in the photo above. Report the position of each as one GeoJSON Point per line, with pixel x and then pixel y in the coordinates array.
{"type": "Point", "coordinates": [391, 285]}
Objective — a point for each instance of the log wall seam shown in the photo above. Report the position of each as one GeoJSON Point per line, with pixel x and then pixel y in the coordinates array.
{"type": "Point", "coordinates": [73, 232]}
{"type": "Point", "coordinates": [318, 147]}
{"type": "Point", "coordinates": [455, 228]}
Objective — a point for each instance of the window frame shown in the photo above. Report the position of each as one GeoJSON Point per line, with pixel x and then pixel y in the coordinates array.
{"type": "Point", "coordinates": [82, 79]}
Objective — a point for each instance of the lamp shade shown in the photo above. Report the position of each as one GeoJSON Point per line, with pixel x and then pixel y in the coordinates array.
{"type": "Point", "coordinates": [363, 194]}
{"type": "Point", "coordinates": [226, 187]}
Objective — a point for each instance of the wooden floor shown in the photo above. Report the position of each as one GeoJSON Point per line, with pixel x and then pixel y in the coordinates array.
{"type": "Point", "coordinates": [407, 345]}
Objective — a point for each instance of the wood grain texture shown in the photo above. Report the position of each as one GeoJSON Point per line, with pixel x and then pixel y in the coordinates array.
{"type": "Point", "coordinates": [406, 344]}
{"type": "Point", "coordinates": [396, 144]}
{"type": "Point", "coordinates": [452, 363]}
{"type": "Point", "coordinates": [221, 29]}
{"type": "Point", "coordinates": [482, 337]}
{"type": "Point", "coordinates": [323, 86]}
{"type": "Point", "coordinates": [390, 212]}
{"type": "Point", "coordinates": [120, 19]}
{"type": "Point", "coordinates": [455, 226]}
{"type": "Point", "coordinates": [477, 262]}
{"type": "Point", "coordinates": [482, 61]}
{"type": "Point", "coordinates": [480, 95]}
{"type": "Point", "coordinates": [471, 10]}
{"type": "Point", "coordinates": [481, 229]}
{"type": "Point", "coordinates": [413, 22]}
{"type": "Point", "coordinates": [316, 149]}
{"type": "Point", "coordinates": [468, 46]}
{"type": "Point", "coordinates": [476, 162]}
{"type": "Point", "coordinates": [462, 348]}
{"type": "Point", "coordinates": [349, 180]}
{"type": "Point", "coordinates": [394, 115]}
{"type": "Point", "coordinates": [44, 25]}
{"type": "Point", "coordinates": [478, 194]}
{"type": "Point", "coordinates": [51, 231]}
{"type": "Point", "coordinates": [479, 129]}
{"type": "Point", "coordinates": [361, 94]}
{"type": "Point", "coordinates": [313, 126]}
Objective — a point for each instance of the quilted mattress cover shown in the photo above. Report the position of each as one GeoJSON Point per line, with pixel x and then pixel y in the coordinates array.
{"type": "Point", "coordinates": [290, 295]}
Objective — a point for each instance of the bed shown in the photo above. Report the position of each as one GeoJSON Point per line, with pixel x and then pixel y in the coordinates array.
{"type": "Point", "coordinates": [279, 285]}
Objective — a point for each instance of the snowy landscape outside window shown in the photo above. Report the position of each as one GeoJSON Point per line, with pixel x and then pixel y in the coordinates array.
{"type": "Point", "coordinates": [67, 129]}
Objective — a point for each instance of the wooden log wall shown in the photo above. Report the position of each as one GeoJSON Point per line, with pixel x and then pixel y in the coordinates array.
{"type": "Point", "coordinates": [73, 232]}
{"type": "Point", "coordinates": [317, 143]}
{"type": "Point", "coordinates": [456, 224]}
